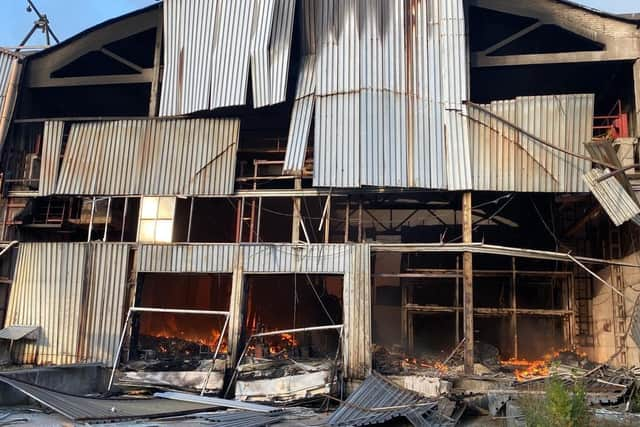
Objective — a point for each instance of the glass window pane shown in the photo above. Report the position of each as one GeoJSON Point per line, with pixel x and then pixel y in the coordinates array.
{"type": "Point", "coordinates": [166, 207]}
{"type": "Point", "coordinates": [164, 231]}
{"type": "Point", "coordinates": [147, 230]}
{"type": "Point", "coordinates": [149, 208]}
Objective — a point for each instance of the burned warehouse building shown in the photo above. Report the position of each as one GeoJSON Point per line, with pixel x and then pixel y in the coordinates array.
{"type": "Point", "coordinates": [280, 200]}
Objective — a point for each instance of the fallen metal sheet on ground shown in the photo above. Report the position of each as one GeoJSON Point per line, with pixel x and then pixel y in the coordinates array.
{"type": "Point", "coordinates": [218, 402]}
{"type": "Point", "coordinates": [244, 418]}
{"type": "Point", "coordinates": [378, 400]}
{"type": "Point", "coordinates": [78, 408]}
{"type": "Point", "coordinates": [18, 332]}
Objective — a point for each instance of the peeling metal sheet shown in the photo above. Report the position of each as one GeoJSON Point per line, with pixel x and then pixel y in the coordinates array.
{"type": "Point", "coordinates": [80, 318]}
{"type": "Point", "coordinates": [50, 161]}
{"type": "Point", "coordinates": [210, 46]}
{"type": "Point", "coordinates": [612, 196]}
{"type": "Point", "coordinates": [301, 118]}
{"type": "Point", "coordinates": [378, 392]}
{"type": "Point", "coordinates": [257, 258]}
{"type": "Point", "coordinates": [506, 159]}
{"type": "Point", "coordinates": [85, 409]}
{"type": "Point", "coordinates": [388, 99]}
{"type": "Point", "coordinates": [10, 69]}
{"type": "Point", "coordinates": [134, 157]}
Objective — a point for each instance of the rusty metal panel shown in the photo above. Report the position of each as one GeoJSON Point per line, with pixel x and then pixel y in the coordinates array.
{"type": "Point", "coordinates": [50, 161]}
{"type": "Point", "coordinates": [106, 302]}
{"type": "Point", "coordinates": [507, 159]}
{"type": "Point", "coordinates": [47, 292]}
{"type": "Point", "coordinates": [287, 258]}
{"type": "Point", "coordinates": [205, 258]}
{"type": "Point", "coordinates": [612, 196]}
{"type": "Point", "coordinates": [390, 97]}
{"type": "Point", "coordinates": [10, 69]}
{"type": "Point", "coordinates": [357, 312]}
{"type": "Point", "coordinates": [132, 157]}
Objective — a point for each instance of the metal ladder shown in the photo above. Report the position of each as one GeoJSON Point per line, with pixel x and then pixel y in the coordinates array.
{"type": "Point", "coordinates": [619, 308]}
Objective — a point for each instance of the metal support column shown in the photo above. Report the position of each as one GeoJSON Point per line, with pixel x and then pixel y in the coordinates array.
{"type": "Point", "coordinates": [467, 280]}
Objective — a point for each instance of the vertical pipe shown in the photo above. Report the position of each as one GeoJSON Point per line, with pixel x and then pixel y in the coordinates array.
{"type": "Point", "coordinates": [327, 220]}
{"type": "Point", "coordinates": [259, 219]}
{"type": "Point", "coordinates": [238, 221]}
{"type": "Point", "coordinates": [155, 83]}
{"type": "Point", "coordinates": [124, 218]}
{"type": "Point", "coordinates": [467, 280]}
{"type": "Point", "coordinates": [297, 204]}
{"type": "Point", "coordinates": [93, 209]}
{"type": "Point", "coordinates": [116, 357]}
{"type": "Point", "coordinates": [106, 220]}
{"type": "Point", "coordinates": [360, 221]}
{"type": "Point", "coordinates": [456, 302]}
{"type": "Point", "coordinates": [514, 307]}
{"type": "Point", "coordinates": [190, 219]}
{"type": "Point", "coordinates": [346, 220]}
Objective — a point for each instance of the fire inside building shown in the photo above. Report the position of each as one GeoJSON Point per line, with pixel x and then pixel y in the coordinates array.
{"type": "Point", "coordinates": [278, 200]}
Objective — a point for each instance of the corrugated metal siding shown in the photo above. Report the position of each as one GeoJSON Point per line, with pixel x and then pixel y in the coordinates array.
{"type": "Point", "coordinates": [209, 46]}
{"type": "Point", "coordinates": [51, 147]}
{"type": "Point", "coordinates": [301, 118]}
{"type": "Point", "coordinates": [279, 258]}
{"type": "Point", "coordinates": [257, 258]}
{"type": "Point", "coordinates": [612, 196]}
{"type": "Point", "coordinates": [391, 77]}
{"type": "Point", "coordinates": [212, 258]}
{"type": "Point", "coordinates": [131, 157]}
{"type": "Point", "coordinates": [357, 313]}
{"type": "Point", "coordinates": [106, 302]}
{"type": "Point", "coordinates": [10, 69]}
{"type": "Point", "coordinates": [506, 159]}
{"type": "Point", "coordinates": [47, 292]}
{"type": "Point", "coordinates": [80, 319]}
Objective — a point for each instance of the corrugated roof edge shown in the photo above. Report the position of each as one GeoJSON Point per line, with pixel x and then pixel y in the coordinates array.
{"type": "Point", "coordinates": [94, 28]}
{"type": "Point", "coordinates": [12, 53]}
{"type": "Point", "coordinates": [619, 17]}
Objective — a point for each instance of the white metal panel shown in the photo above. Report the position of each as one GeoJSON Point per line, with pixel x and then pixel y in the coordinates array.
{"type": "Point", "coordinates": [260, 72]}
{"type": "Point", "coordinates": [507, 159]}
{"type": "Point", "coordinates": [612, 196]}
{"type": "Point", "coordinates": [50, 160]}
{"type": "Point", "coordinates": [280, 49]}
{"type": "Point", "coordinates": [151, 157]}
{"type": "Point", "coordinates": [286, 258]}
{"type": "Point", "coordinates": [205, 258]}
{"type": "Point", "coordinates": [47, 292]}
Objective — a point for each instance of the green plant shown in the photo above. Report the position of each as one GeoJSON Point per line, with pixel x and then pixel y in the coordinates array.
{"type": "Point", "coordinates": [561, 406]}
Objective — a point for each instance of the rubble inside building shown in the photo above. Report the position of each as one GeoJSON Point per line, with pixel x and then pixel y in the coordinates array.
{"type": "Point", "coordinates": [340, 212]}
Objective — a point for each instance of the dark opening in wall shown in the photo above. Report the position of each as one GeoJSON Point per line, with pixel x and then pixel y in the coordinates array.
{"type": "Point", "coordinates": [174, 337]}
{"type": "Point", "coordinates": [213, 220]}
{"type": "Point", "coordinates": [279, 302]}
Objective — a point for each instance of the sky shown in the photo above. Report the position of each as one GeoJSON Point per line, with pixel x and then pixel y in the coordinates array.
{"type": "Point", "coordinates": [69, 17]}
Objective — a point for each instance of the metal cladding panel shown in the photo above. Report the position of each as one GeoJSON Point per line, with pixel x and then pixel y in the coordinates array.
{"type": "Point", "coordinates": [10, 68]}
{"type": "Point", "coordinates": [612, 196]}
{"type": "Point", "coordinates": [47, 292]}
{"type": "Point", "coordinates": [280, 51]}
{"type": "Point", "coordinates": [210, 258]}
{"type": "Point", "coordinates": [230, 72]}
{"type": "Point", "coordinates": [151, 157]}
{"type": "Point", "coordinates": [51, 148]}
{"type": "Point", "coordinates": [106, 302]}
{"type": "Point", "coordinates": [357, 313]}
{"type": "Point", "coordinates": [209, 46]}
{"type": "Point", "coordinates": [507, 159]}
{"type": "Point", "coordinates": [390, 98]}
{"type": "Point", "coordinates": [260, 74]}
{"type": "Point", "coordinates": [301, 118]}
{"type": "Point", "coordinates": [285, 258]}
